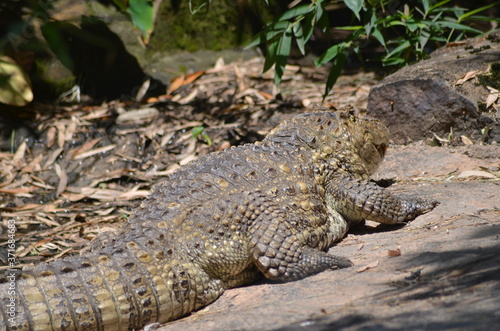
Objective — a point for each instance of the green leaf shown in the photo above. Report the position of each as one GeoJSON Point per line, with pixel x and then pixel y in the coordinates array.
{"type": "Point", "coordinates": [335, 71]}
{"type": "Point", "coordinates": [412, 25]}
{"type": "Point", "coordinates": [458, 26]}
{"type": "Point", "coordinates": [271, 31]}
{"type": "Point", "coordinates": [271, 55]}
{"type": "Point", "coordinates": [308, 26]}
{"type": "Point", "coordinates": [394, 23]}
{"type": "Point", "coordinates": [397, 50]}
{"type": "Point", "coordinates": [327, 56]}
{"type": "Point", "coordinates": [350, 28]}
{"type": "Point", "coordinates": [200, 131]}
{"type": "Point", "coordinates": [196, 131]}
{"type": "Point", "coordinates": [282, 53]}
{"type": "Point", "coordinates": [276, 51]}
{"type": "Point", "coordinates": [355, 6]}
{"type": "Point", "coordinates": [321, 18]}
{"type": "Point", "coordinates": [425, 3]}
{"type": "Point", "coordinates": [298, 32]}
{"type": "Point", "coordinates": [276, 29]}
{"type": "Point", "coordinates": [394, 61]}
{"type": "Point", "coordinates": [475, 11]}
{"type": "Point", "coordinates": [378, 35]}
{"type": "Point", "coordinates": [483, 18]}
{"type": "Point", "coordinates": [142, 15]}
{"type": "Point", "coordinates": [437, 5]}
{"type": "Point", "coordinates": [423, 38]}
{"type": "Point", "coordinates": [296, 11]}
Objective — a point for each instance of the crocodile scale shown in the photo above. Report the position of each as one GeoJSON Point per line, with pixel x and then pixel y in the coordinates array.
{"type": "Point", "coordinates": [271, 208]}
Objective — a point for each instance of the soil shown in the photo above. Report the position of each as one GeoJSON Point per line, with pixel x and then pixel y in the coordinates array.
{"type": "Point", "coordinates": [81, 170]}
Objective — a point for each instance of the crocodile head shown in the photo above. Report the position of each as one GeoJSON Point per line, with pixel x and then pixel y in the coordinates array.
{"type": "Point", "coordinates": [353, 144]}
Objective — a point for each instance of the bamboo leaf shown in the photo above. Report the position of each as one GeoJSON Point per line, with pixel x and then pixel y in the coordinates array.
{"type": "Point", "coordinates": [475, 11]}
{"type": "Point", "coordinates": [355, 6]}
{"type": "Point", "coordinates": [327, 56]}
{"type": "Point", "coordinates": [300, 39]}
{"type": "Point", "coordinates": [296, 11]}
{"type": "Point", "coordinates": [282, 53]}
{"type": "Point", "coordinates": [335, 71]}
{"type": "Point", "coordinates": [142, 15]}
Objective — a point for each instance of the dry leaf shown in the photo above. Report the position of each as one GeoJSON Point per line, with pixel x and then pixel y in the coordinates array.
{"type": "Point", "coordinates": [466, 140]}
{"type": "Point", "coordinates": [183, 80]}
{"type": "Point", "coordinates": [85, 147]}
{"type": "Point", "coordinates": [63, 179]}
{"type": "Point", "coordinates": [131, 195]}
{"type": "Point", "coordinates": [219, 63]}
{"type": "Point", "coordinates": [105, 212]}
{"type": "Point", "coordinates": [266, 95]}
{"type": "Point", "coordinates": [137, 115]}
{"type": "Point", "coordinates": [28, 206]}
{"type": "Point", "coordinates": [60, 134]}
{"type": "Point", "coordinates": [394, 253]}
{"type": "Point", "coordinates": [52, 157]}
{"type": "Point", "coordinates": [21, 150]}
{"type": "Point", "coordinates": [456, 43]}
{"type": "Point", "coordinates": [94, 152]}
{"type": "Point", "coordinates": [372, 265]}
{"type": "Point", "coordinates": [20, 191]}
{"type": "Point", "coordinates": [97, 113]}
{"type": "Point", "coordinates": [46, 220]}
{"type": "Point", "coordinates": [73, 197]}
{"type": "Point", "coordinates": [492, 97]}
{"type": "Point", "coordinates": [466, 77]}
{"type": "Point", "coordinates": [34, 165]}
{"type": "Point", "coordinates": [71, 128]}
{"type": "Point", "coordinates": [475, 173]}
{"type": "Point", "coordinates": [142, 91]}
{"type": "Point", "coordinates": [51, 136]}
{"type": "Point", "coordinates": [188, 98]}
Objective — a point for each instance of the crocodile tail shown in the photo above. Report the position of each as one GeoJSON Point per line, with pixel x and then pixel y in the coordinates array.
{"type": "Point", "coordinates": [114, 289]}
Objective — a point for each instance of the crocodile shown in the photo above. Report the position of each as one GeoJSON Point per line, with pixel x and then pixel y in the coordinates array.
{"type": "Point", "coordinates": [272, 208]}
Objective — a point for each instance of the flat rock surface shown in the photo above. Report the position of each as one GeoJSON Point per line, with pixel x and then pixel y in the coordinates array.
{"type": "Point", "coordinates": [441, 271]}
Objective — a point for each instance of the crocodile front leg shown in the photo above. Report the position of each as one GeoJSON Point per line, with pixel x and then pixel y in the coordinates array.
{"type": "Point", "coordinates": [357, 200]}
{"type": "Point", "coordinates": [288, 243]}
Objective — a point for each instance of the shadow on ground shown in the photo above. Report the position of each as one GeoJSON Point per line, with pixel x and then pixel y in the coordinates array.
{"type": "Point", "coordinates": [461, 292]}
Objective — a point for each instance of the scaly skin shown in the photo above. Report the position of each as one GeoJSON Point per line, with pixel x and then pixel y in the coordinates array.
{"type": "Point", "coordinates": [270, 209]}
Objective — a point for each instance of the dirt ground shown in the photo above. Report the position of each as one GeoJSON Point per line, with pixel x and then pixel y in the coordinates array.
{"type": "Point", "coordinates": [439, 272]}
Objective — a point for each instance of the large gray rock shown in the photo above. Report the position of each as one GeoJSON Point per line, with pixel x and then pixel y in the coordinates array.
{"type": "Point", "coordinates": [424, 99]}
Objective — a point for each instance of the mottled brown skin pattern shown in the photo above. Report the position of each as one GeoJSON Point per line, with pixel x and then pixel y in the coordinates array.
{"type": "Point", "coordinates": [270, 208]}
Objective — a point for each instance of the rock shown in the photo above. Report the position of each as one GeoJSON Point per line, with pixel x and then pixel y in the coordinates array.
{"type": "Point", "coordinates": [430, 98]}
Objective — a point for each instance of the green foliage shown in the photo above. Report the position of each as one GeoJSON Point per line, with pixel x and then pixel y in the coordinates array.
{"type": "Point", "coordinates": [405, 33]}
{"type": "Point", "coordinates": [200, 131]}
{"type": "Point", "coordinates": [141, 13]}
